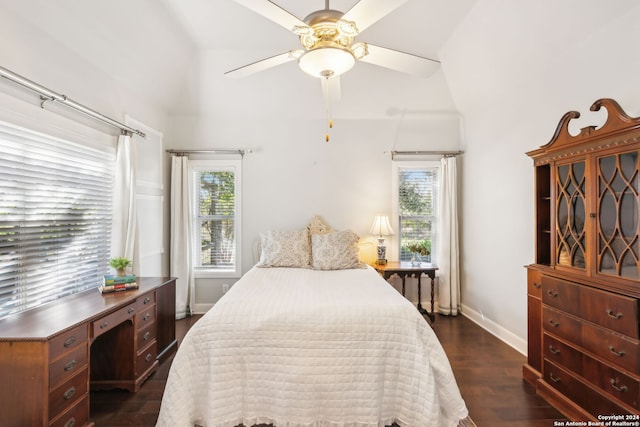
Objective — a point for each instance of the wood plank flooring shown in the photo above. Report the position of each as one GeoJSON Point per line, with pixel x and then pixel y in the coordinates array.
{"type": "Point", "coordinates": [488, 372]}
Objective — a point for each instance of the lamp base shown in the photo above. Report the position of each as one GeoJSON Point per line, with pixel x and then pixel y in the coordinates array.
{"type": "Point", "coordinates": [381, 262]}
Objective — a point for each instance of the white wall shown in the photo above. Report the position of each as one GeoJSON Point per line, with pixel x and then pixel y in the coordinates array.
{"type": "Point", "coordinates": [512, 79]}
{"type": "Point", "coordinates": [95, 55]}
{"type": "Point", "coordinates": [293, 175]}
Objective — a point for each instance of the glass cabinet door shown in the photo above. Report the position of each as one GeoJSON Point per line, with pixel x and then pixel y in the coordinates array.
{"type": "Point", "coordinates": [617, 228]}
{"type": "Point", "coordinates": [570, 215]}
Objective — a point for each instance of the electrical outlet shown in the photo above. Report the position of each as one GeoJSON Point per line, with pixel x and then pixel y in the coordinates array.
{"type": "Point", "coordinates": [225, 288]}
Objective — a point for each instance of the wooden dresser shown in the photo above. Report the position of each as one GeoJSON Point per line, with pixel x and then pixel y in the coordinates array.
{"type": "Point", "coordinates": [51, 356]}
{"type": "Point", "coordinates": [583, 289]}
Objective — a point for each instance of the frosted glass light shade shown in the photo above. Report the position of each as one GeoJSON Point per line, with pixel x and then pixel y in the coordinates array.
{"type": "Point", "coordinates": [326, 62]}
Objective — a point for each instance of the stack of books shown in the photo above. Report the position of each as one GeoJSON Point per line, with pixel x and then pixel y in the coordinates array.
{"type": "Point", "coordinates": [118, 283]}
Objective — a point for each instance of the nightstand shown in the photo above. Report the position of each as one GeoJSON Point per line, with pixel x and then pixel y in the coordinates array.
{"type": "Point", "coordinates": [404, 270]}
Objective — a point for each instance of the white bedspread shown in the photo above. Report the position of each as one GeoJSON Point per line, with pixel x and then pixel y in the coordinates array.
{"type": "Point", "coordinates": [297, 347]}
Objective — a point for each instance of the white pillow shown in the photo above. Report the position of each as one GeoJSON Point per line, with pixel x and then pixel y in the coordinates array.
{"type": "Point", "coordinates": [285, 249]}
{"type": "Point", "coordinates": [335, 251]}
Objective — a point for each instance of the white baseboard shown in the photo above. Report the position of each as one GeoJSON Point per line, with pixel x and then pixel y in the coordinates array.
{"type": "Point", "coordinates": [201, 308]}
{"type": "Point", "coordinates": [493, 328]}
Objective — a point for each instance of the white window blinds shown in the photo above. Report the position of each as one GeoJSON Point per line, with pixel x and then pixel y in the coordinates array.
{"type": "Point", "coordinates": [416, 210]}
{"type": "Point", "coordinates": [216, 185]}
{"type": "Point", "coordinates": [55, 218]}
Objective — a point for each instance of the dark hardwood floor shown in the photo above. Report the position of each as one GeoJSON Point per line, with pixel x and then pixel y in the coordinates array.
{"type": "Point", "coordinates": [488, 372]}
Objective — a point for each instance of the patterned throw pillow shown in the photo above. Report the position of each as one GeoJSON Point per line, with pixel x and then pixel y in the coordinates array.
{"type": "Point", "coordinates": [335, 251]}
{"type": "Point", "coordinates": [285, 249]}
{"type": "Point", "coordinates": [317, 226]}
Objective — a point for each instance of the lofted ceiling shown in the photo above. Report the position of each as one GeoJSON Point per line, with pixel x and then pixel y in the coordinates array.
{"type": "Point", "coordinates": [229, 36]}
{"type": "Point", "coordinates": [175, 53]}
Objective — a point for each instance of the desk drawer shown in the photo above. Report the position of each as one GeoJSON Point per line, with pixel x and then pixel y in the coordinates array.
{"type": "Point", "coordinates": [146, 317]}
{"type": "Point", "coordinates": [69, 392]}
{"type": "Point", "coordinates": [145, 300]}
{"type": "Point", "coordinates": [67, 366]}
{"type": "Point", "coordinates": [145, 336]}
{"type": "Point", "coordinates": [66, 341]}
{"type": "Point", "coordinates": [112, 320]}
{"type": "Point", "coordinates": [146, 359]}
{"type": "Point", "coordinates": [76, 416]}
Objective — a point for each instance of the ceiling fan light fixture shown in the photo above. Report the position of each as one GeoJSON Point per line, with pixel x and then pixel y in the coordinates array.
{"type": "Point", "coordinates": [326, 62]}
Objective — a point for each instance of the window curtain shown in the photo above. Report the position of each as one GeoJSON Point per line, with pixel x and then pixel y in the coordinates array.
{"type": "Point", "coordinates": [124, 238]}
{"type": "Point", "coordinates": [448, 251]}
{"type": "Point", "coordinates": [180, 262]}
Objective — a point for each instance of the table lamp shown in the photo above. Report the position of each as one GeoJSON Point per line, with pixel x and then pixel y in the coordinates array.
{"type": "Point", "coordinates": [381, 227]}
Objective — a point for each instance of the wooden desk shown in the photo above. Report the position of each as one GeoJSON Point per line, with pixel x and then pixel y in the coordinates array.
{"type": "Point", "coordinates": [404, 269]}
{"type": "Point", "coordinates": [52, 355]}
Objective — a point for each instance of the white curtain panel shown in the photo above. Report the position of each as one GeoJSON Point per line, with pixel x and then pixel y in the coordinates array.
{"type": "Point", "coordinates": [448, 252]}
{"type": "Point", "coordinates": [180, 263]}
{"type": "Point", "coordinates": [124, 237]}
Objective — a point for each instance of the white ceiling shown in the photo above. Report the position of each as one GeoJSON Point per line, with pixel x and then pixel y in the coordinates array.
{"type": "Point", "coordinates": [419, 26]}
{"type": "Point", "coordinates": [228, 36]}
{"type": "Point", "coordinates": [176, 53]}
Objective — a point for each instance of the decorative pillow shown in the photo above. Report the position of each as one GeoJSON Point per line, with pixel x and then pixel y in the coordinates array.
{"type": "Point", "coordinates": [285, 249]}
{"type": "Point", "coordinates": [335, 251]}
{"type": "Point", "coordinates": [317, 226]}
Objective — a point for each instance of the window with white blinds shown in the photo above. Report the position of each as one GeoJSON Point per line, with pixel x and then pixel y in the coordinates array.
{"type": "Point", "coordinates": [216, 185]}
{"type": "Point", "coordinates": [55, 218]}
{"type": "Point", "coordinates": [415, 187]}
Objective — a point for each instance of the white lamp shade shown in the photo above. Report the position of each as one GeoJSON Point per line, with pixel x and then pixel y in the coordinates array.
{"type": "Point", "coordinates": [326, 62]}
{"type": "Point", "coordinates": [381, 226]}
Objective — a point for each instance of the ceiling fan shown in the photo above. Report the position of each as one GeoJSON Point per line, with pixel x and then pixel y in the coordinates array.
{"type": "Point", "coordinates": [329, 48]}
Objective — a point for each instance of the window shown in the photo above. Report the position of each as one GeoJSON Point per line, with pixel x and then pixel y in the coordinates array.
{"type": "Point", "coordinates": [55, 218]}
{"type": "Point", "coordinates": [414, 203]}
{"type": "Point", "coordinates": [216, 225]}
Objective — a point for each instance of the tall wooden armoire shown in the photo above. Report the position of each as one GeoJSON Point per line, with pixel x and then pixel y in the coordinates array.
{"type": "Point", "coordinates": [583, 288]}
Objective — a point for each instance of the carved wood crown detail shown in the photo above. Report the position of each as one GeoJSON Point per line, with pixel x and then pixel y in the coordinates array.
{"type": "Point", "coordinates": [563, 144]}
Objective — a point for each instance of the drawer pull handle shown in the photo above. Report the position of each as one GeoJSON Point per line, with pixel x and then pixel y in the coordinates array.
{"type": "Point", "coordinates": [70, 423]}
{"type": "Point", "coordinates": [131, 310]}
{"type": "Point", "coordinates": [69, 366]}
{"type": "Point", "coordinates": [614, 384]}
{"type": "Point", "coordinates": [554, 378]}
{"type": "Point", "coordinates": [69, 393]}
{"type": "Point", "coordinates": [148, 358]}
{"type": "Point", "coordinates": [69, 341]}
{"type": "Point", "coordinates": [146, 336]}
{"type": "Point", "coordinates": [553, 323]}
{"type": "Point", "coordinates": [104, 325]}
{"type": "Point", "coordinates": [553, 350]}
{"type": "Point", "coordinates": [552, 294]}
{"type": "Point", "coordinates": [147, 300]}
{"type": "Point", "coordinates": [617, 353]}
{"type": "Point", "coordinates": [146, 316]}
{"type": "Point", "coordinates": [613, 316]}
{"type": "Point", "coordinates": [537, 285]}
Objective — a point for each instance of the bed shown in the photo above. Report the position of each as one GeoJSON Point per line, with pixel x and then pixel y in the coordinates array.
{"type": "Point", "coordinates": [303, 346]}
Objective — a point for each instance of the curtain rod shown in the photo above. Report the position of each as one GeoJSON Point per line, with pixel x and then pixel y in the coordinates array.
{"type": "Point", "coordinates": [218, 151]}
{"type": "Point", "coordinates": [424, 153]}
{"type": "Point", "coordinates": [49, 95]}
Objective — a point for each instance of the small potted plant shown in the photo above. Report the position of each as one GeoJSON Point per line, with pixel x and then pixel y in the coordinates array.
{"type": "Point", "coordinates": [120, 264]}
{"type": "Point", "coordinates": [418, 249]}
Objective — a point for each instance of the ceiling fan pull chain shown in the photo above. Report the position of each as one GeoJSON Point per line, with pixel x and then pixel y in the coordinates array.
{"type": "Point", "coordinates": [327, 101]}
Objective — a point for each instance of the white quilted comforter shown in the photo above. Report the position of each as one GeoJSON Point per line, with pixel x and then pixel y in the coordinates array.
{"type": "Point", "coordinates": [297, 347]}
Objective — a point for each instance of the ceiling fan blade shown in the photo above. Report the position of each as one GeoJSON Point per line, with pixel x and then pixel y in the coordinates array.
{"type": "Point", "coordinates": [399, 61]}
{"type": "Point", "coordinates": [367, 12]}
{"type": "Point", "coordinates": [274, 12]}
{"type": "Point", "coordinates": [264, 64]}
